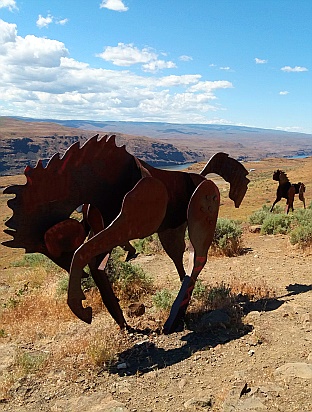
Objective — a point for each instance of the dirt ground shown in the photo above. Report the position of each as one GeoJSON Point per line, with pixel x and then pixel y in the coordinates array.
{"type": "Point", "coordinates": [264, 364]}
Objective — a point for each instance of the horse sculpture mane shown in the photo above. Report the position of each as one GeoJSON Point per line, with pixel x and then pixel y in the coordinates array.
{"type": "Point", "coordinates": [52, 193]}
{"type": "Point", "coordinates": [126, 199]}
{"type": "Point", "coordinates": [280, 176]}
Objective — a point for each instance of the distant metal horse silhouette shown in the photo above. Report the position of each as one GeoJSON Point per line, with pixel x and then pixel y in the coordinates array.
{"type": "Point", "coordinates": [287, 190]}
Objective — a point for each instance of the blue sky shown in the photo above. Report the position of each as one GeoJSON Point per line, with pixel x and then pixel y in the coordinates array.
{"type": "Point", "coordinates": [241, 62]}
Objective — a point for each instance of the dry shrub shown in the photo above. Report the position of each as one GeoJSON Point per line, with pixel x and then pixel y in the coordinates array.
{"type": "Point", "coordinates": [35, 315]}
{"type": "Point", "coordinates": [227, 239]}
{"type": "Point", "coordinates": [207, 298]}
{"type": "Point", "coordinates": [226, 297]}
{"type": "Point", "coordinates": [129, 281]}
{"type": "Point", "coordinates": [252, 291]}
{"type": "Point", "coordinates": [83, 346]}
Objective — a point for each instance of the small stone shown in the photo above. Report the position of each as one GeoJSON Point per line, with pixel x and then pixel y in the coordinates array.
{"type": "Point", "coordinates": [255, 229]}
{"type": "Point", "coordinates": [295, 370]}
{"type": "Point", "coordinates": [135, 310]}
{"type": "Point", "coordinates": [182, 383]}
{"type": "Point", "coordinates": [198, 402]}
{"type": "Point", "coordinates": [122, 365]}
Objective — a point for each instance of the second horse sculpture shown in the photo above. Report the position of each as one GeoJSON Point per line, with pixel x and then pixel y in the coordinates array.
{"type": "Point", "coordinates": [127, 199]}
{"type": "Point", "coordinates": [287, 190]}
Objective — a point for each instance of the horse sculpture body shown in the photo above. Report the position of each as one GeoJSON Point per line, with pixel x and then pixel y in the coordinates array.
{"type": "Point", "coordinates": [124, 198]}
{"type": "Point", "coordinates": [287, 190]}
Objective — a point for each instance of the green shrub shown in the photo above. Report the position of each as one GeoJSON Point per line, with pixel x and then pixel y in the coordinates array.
{"type": "Point", "coordinates": [301, 232]}
{"type": "Point", "coordinates": [275, 224]}
{"type": "Point", "coordinates": [34, 260]}
{"type": "Point", "coordinates": [200, 289]}
{"type": "Point", "coordinates": [148, 245]}
{"type": "Point", "coordinates": [208, 298]}
{"type": "Point", "coordinates": [30, 362]}
{"type": "Point", "coordinates": [62, 286]}
{"type": "Point", "coordinates": [302, 217]}
{"type": "Point", "coordinates": [163, 299]}
{"type": "Point", "coordinates": [218, 296]}
{"type": "Point", "coordinates": [227, 237]}
{"type": "Point", "coordinates": [297, 224]}
{"type": "Point", "coordinates": [301, 235]}
{"type": "Point", "coordinates": [129, 280]}
{"type": "Point", "coordinates": [258, 217]}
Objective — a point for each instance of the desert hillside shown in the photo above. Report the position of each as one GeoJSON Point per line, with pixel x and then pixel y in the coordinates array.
{"type": "Point", "coordinates": [24, 143]}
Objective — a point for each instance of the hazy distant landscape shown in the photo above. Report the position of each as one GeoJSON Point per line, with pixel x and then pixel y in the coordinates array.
{"type": "Point", "coordinates": [26, 140]}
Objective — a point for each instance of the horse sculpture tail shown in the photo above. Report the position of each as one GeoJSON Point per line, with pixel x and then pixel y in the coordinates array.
{"type": "Point", "coordinates": [232, 171]}
{"type": "Point", "coordinates": [301, 192]}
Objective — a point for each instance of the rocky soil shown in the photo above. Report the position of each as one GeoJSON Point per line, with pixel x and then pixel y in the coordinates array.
{"type": "Point", "coordinates": [264, 364]}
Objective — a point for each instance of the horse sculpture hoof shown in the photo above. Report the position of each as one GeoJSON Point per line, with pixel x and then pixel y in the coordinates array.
{"type": "Point", "coordinates": [84, 314]}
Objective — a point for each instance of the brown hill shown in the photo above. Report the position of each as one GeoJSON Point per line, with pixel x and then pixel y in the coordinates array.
{"type": "Point", "coordinates": [25, 142]}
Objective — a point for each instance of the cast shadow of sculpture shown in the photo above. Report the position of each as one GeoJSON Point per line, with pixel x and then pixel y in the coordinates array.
{"type": "Point", "coordinates": [146, 356]}
{"type": "Point", "coordinates": [269, 304]}
{"type": "Point", "coordinates": [126, 199]}
{"type": "Point", "coordinates": [296, 289]}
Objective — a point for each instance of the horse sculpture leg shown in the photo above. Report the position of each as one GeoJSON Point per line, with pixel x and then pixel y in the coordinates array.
{"type": "Point", "coordinates": [202, 218]}
{"type": "Point", "coordinates": [301, 194]}
{"type": "Point", "coordinates": [275, 201]}
{"type": "Point", "coordinates": [290, 199]}
{"type": "Point", "coordinates": [173, 242]}
{"type": "Point", "coordinates": [142, 212]}
{"type": "Point", "coordinates": [94, 218]}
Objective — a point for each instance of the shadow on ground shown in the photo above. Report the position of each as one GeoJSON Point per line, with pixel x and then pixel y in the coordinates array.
{"type": "Point", "coordinates": [146, 356]}
{"type": "Point", "coordinates": [296, 289]}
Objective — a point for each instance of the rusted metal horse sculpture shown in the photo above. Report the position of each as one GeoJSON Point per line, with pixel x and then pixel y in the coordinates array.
{"type": "Point", "coordinates": [287, 190]}
{"type": "Point", "coordinates": [125, 199]}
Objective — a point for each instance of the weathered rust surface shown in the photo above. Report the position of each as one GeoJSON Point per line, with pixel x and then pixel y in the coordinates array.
{"type": "Point", "coordinates": [123, 199]}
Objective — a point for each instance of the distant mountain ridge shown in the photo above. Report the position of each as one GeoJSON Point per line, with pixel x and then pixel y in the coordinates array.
{"type": "Point", "coordinates": [158, 128]}
{"type": "Point", "coordinates": [158, 143]}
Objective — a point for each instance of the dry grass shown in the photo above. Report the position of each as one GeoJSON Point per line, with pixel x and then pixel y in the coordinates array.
{"type": "Point", "coordinates": [253, 291]}
{"type": "Point", "coordinates": [38, 321]}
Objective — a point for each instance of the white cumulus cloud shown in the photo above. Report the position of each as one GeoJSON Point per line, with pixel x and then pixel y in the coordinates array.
{"type": "Point", "coordinates": [209, 86]}
{"type": "Point", "coordinates": [185, 58]}
{"type": "Point", "coordinates": [260, 61]}
{"type": "Point", "coordinates": [294, 69]}
{"type": "Point", "coordinates": [283, 93]}
{"type": "Point", "coordinates": [30, 51]}
{"type": "Point", "coordinates": [115, 5]}
{"type": "Point", "coordinates": [62, 22]}
{"type": "Point", "coordinates": [128, 55]}
{"type": "Point", "coordinates": [156, 65]}
{"type": "Point", "coordinates": [40, 79]}
{"type": "Point", "coordinates": [44, 21]}
{"type": "Point", "coordinates": [10, 4]}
